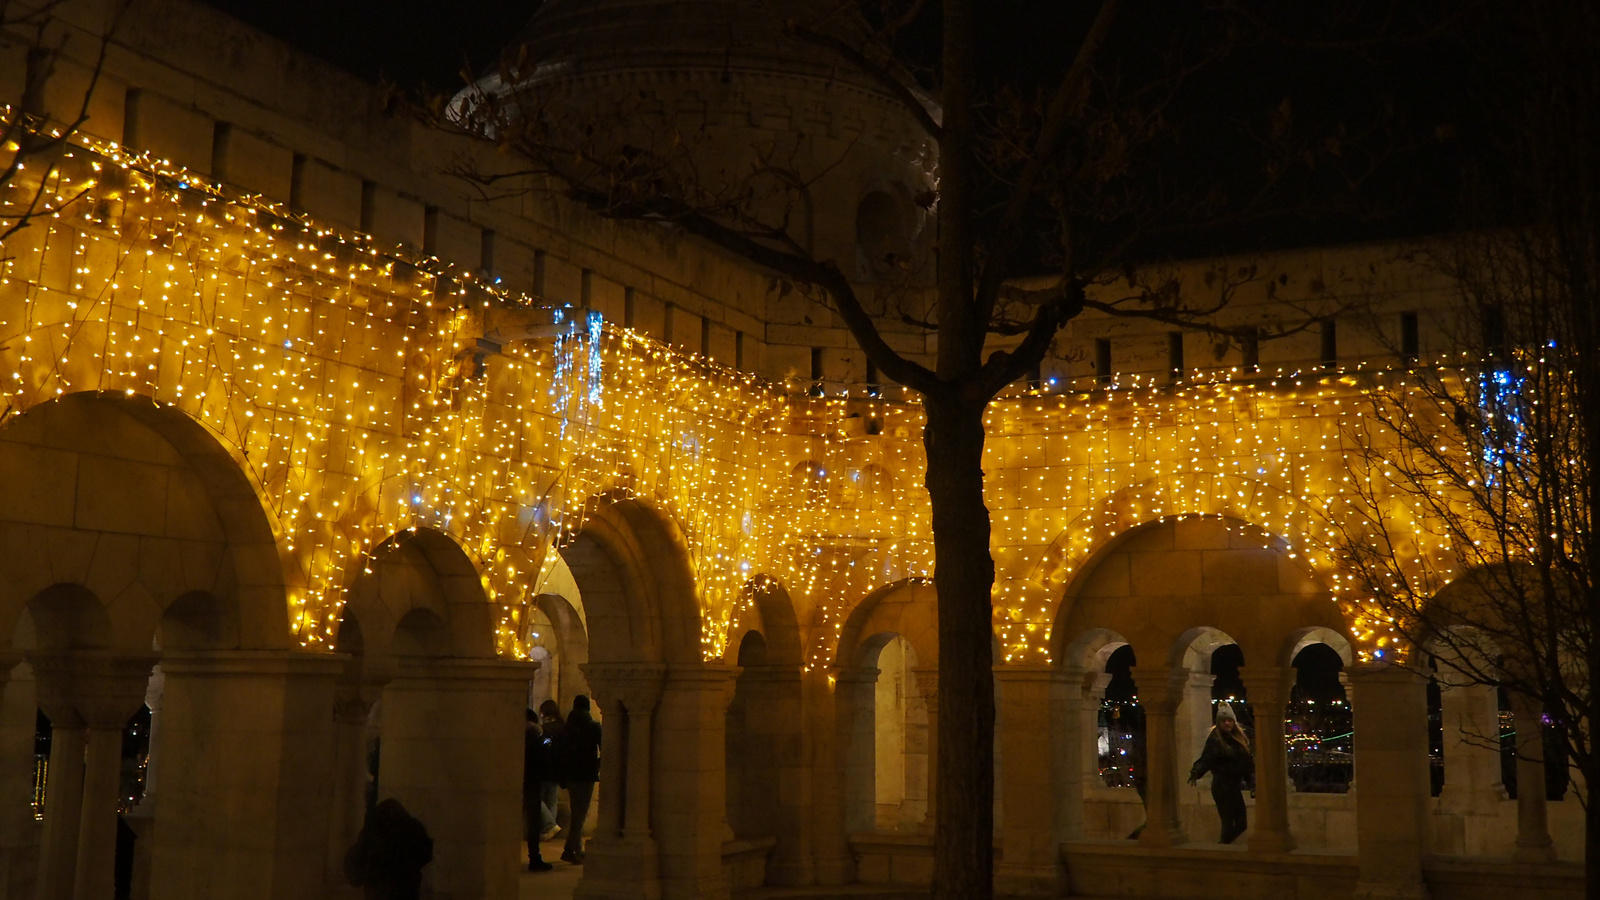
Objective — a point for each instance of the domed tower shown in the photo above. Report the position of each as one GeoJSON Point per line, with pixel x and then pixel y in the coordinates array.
{"type": "Point", "coordinates": [755, 113]}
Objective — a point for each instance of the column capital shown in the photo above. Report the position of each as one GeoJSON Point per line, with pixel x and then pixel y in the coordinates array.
{"type": "Point", "coordinates": [635, 686]}
{"type": "Point", "coordinates": [854, 674]}
{"type": "Point", "coordinates": [1027, 672]}
{"type": "Point", "coordinates": [1160, 687]}
{"type": "Point", "coordinates": [1268, 684]}
{"type": "Point", "coordinates": [103, 689]}
{"type": "Point", "coordinates": [1381, 673]}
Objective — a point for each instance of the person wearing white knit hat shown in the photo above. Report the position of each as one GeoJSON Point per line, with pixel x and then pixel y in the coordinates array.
{"type": "Point", "coordinates": [1227, 757]}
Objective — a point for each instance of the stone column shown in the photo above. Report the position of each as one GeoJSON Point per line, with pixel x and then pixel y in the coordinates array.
{"type": "Point", "coordinates": [689, 799]}
{"type": "Point", "coordinates": [1268, 688]}
{"type": "Point", "coordinates": [846, 767]}
{"type": "Point", "coordinates": [453, 731]}
{"type": "Point", "coordinates": [1390, 710]}
{"type": "Point", "coordinates": [1533, 815]}
{"type": "Point", "coordinates": [1030, 863]}
{"type": "Point", "coordinates": [1094, 697]}
{"type": "Point", "coordinates": [152, 700]}
{"type": "Point", "coordinates": [622, 859]}
{"type": "Point", "coordinates": [63, 803]}
{"type": "Point", "coordinates": [95, 693]}
{"type": "Point", "coordinates": [1471, 720]}
{"type": "Point", "coordinates": [1195, 716]}
{"type": "Point", "coordinates": [775, 718]}
{"type": "Point", "coordinates": [351, 712]}
{"type": "Point", "coordinates": [928, 685]}
{"type": "Point", "coordinates": [1160, 690]}
{"type": "Point", "coordinates": [1068, 699]}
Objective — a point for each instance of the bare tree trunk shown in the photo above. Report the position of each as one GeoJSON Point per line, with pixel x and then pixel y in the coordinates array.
{"type": "Point", "coordinates": [963, 843]}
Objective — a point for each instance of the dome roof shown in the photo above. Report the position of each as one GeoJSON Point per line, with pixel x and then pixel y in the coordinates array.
{"type": "Point", "coordinates": [578, 39]}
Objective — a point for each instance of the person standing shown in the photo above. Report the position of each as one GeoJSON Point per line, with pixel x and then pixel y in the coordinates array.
{"type": "Point", "coordinates": [549, 790]}
{"type": "Point", "coordinates": [578, 750]}
{"type": "Point", "coordinates": [534, 764]}
{"type": "Point", "coordinates": [1227, 757]}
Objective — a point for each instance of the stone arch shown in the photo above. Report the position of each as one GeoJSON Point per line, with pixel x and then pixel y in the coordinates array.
{"type": "Point", "coordinates": [420, 594]}
{"type": "Point", "coordinates": [1302, 638]}
{"type": "Point", "coordinates": [908, 607]}
{"type": "Point", "coordinates": [765, 607]}
{"type": "Point", "coordinates": [1163, 578]}
{"type": "Point", "coordinates": [141, 505]}
{"type": "Point", "coordinates": [632, 567]}
{"type": "Point", "coordinates": [572, 646]}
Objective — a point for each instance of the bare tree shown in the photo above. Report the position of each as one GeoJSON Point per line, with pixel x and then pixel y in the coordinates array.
{"type": "Point", "coordinates": [1078, 179]}
{"type": "Point", "coordinates": [1474, 540]}
{"type": "Point", "coordinates": [34, 138]}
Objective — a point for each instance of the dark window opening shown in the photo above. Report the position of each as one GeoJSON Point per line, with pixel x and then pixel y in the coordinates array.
{"type": "Point", "coordinates": [1102, 360]}
{"type": "Point", "coordinates": [1410, 341]}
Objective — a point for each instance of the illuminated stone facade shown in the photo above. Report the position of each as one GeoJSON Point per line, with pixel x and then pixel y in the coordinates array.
{"type": "Point", "coordinates": [340, 449]}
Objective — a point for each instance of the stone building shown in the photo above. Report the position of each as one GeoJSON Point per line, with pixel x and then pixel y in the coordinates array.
{"type": "Point", "coordinates": [306, 447]}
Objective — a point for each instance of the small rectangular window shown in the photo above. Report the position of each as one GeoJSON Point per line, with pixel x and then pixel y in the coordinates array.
{"type": "Point", "coordinates": [1102, 360]}
{"type": "Point", "coordinates": [1250, 347]}
{"type": "Point", "coordinates": [486, 253]}
{"type": "Point", "coordinates": [1175, 366]}
{"type": "Point", "coordinates": [430, 230]}
{"type": "Point", "coordinates": [816, 372]}
{"type": "Point", "coordinates": [629, 310]}
{"type": "Point", "coordinates": [1330, 343]}
{"type": "Point", "coordinates": [221, 150]}
{"type": "Point", "coordinates": [1410, 345]}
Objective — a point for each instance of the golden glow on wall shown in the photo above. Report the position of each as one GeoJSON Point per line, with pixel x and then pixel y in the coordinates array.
{"type": "Point", "coordinates": [351, 383]}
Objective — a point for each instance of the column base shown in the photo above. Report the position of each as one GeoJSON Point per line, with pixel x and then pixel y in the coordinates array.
{"type": "Point", "coordinates": [1270, 842]}
{"type": "Point", "coordinates": [1535, 853]}
{"type": "Point", "coordinates": [1027, 881]}
{"type": "Point", "coordinates": [620, 869]}
{"type": "Point", "coordinates": [1156, 836]}
{"type": "Point", "coordinates": [1368, 890]}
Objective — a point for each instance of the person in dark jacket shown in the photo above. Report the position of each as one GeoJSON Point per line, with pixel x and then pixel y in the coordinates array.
{"type": "Point", "coordinates": [388, 856]}
{"type": "Point", "coordinates": [534, 763]}
{"type": "Point", "coordinates": [578, 756]}
{"type": "Point", "coordinates": [549, 790]}
{"type": "Point", "coordinates": [1233, 769]}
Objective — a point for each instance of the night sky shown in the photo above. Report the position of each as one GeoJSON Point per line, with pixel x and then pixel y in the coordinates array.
{"type": "Point", "coordinates": [1423, 97]}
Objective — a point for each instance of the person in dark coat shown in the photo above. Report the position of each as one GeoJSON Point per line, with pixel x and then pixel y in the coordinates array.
{"type": "Point", "coordinates": [549, 790]}
{"type": "Point", "coordinates": [534, 763]}
{"type": "Point", "coordinates": [578, 755]}
{"type": "Point", "coordinates": [1233, 769]}
{"type": "Point", "coordinates": [388, 856]}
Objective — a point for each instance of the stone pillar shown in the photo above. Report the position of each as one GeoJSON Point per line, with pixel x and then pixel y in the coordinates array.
{"type": "Point", "coordinates": [1390, 710]}
{"type": "Point", "coordinates": [1195, 716]}
{"type": "Point", "coordinates": [1030, 863]}
{"type": "Point", "coordinates": [622, 859]}
{"type": "Point", "coordinates": [854, 689]}
{"type": "Point", "coordinates": [1268, 688]}
{"type": "Point", "coordinates": [1533, 815]}
{"type": "Point", "coordinates": [928, 685]}
{"type": "Point", "coordinates": [1094, 698]}
{"type": "Point", "coordinates": [1471, 720]}
{"type": "Point", "coordinates": [835, 703]}
{"type": "Point", "coordinates": [688, 801]}
{"type": "Point", "coordinates": [1068, 723]}
{"type": "Point", "coordinates": [776, 720]}
{"type": "Point", "coordinates": [63, 803]}
{"type": "Point", "coordinates": [19, 834]}
{"type": "Point", "coordinates": [452, 753]}
{"type": "Point", "coordinates": [1160, 690]}
{"type": "Point", "coordinates": [152, 762]}
{"type": "Point", "coordinates": [247, 783]}
{"type": "Point", "coordinates": [351, 712]}
{"type": "Point", "coordinates": [94, 692]}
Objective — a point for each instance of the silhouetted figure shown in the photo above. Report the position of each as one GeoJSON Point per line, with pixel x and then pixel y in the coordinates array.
{"type": "Point", "coordinates": [389, 854]}
{"type": "Point", "coordinates": [534, 753]}
{"type": "Point", "coordinates": [1227, 757]}
{"type": "Point", "coordinates": [550, 722]}
{"type": "Point", "coordinates": [578, 765]}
